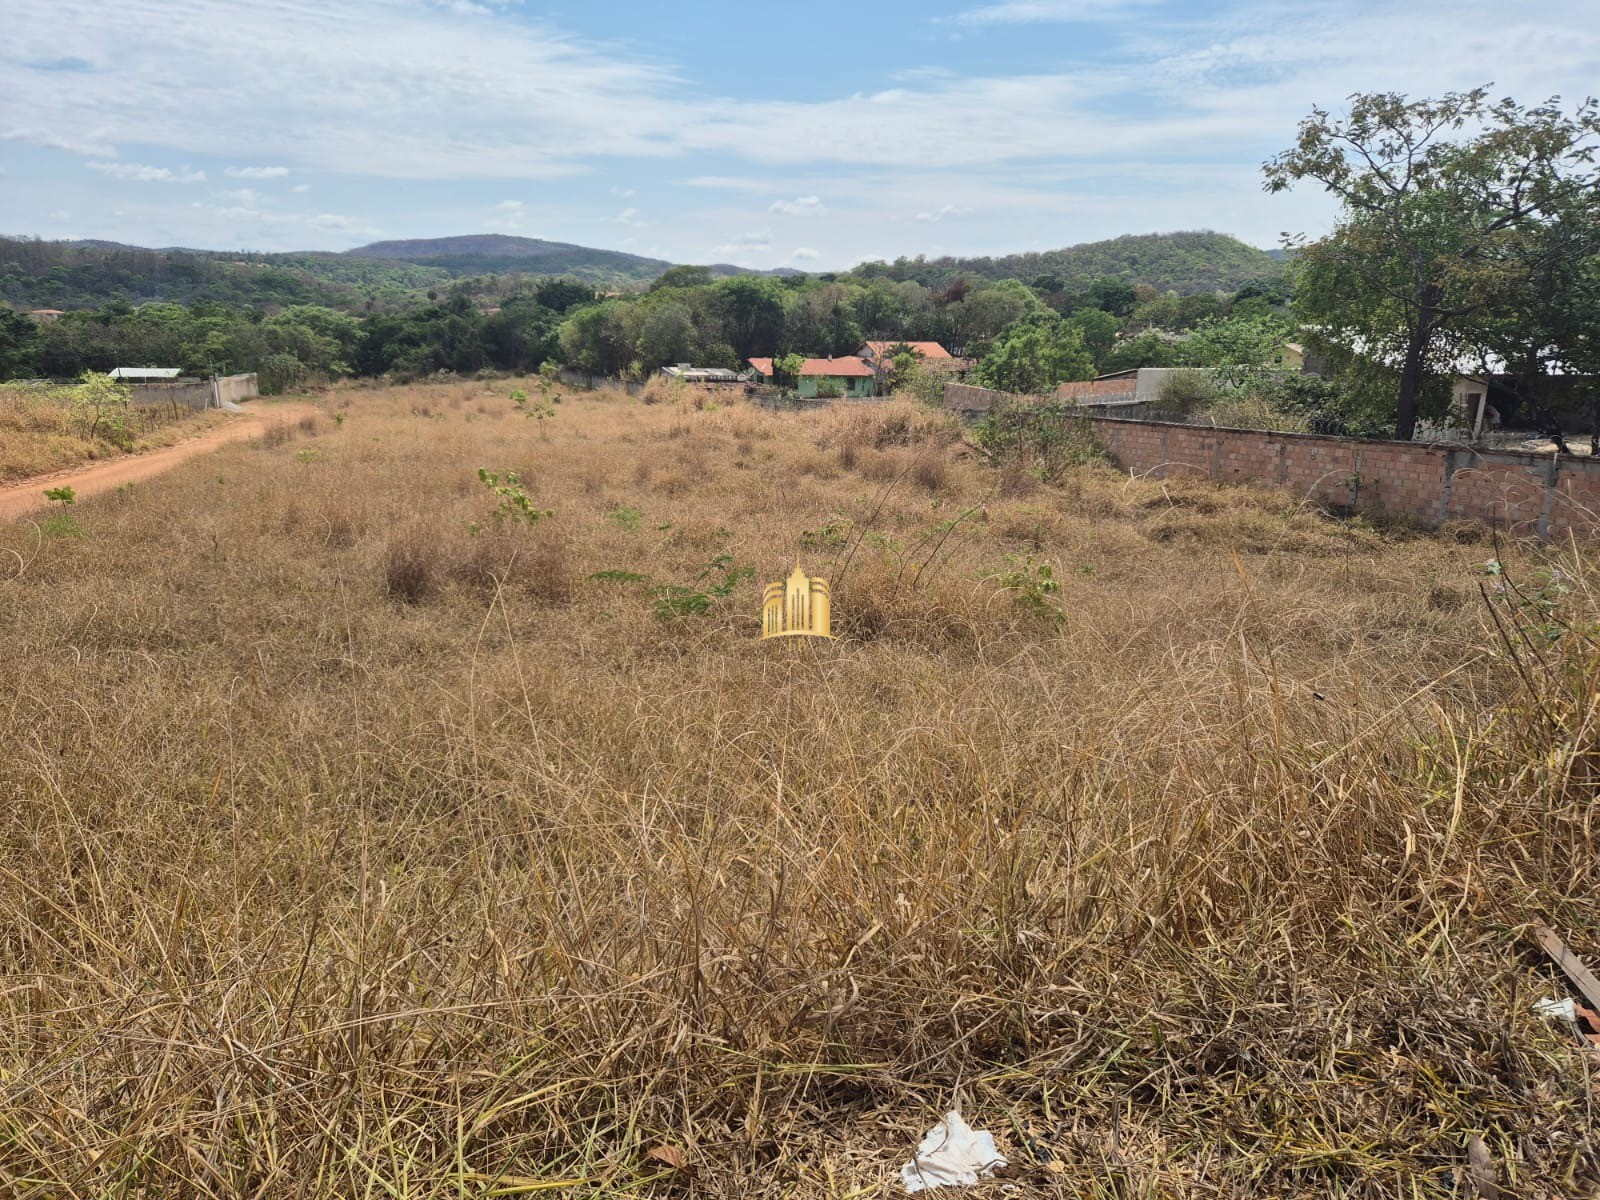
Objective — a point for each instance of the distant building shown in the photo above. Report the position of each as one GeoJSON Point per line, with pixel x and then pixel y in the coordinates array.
{"type": "Point", "coordinates": [930, 356]}
{"type": "Point", "coordinates": [45, 315]}
{"type": "Point", "coordinates": [883, 352]}
{"type": "Point", "coordinates": [704, 375]}
{"type": "Point", "coordinates": [848, 376]}
{"type": "Point", "coordinates": [144, 374]}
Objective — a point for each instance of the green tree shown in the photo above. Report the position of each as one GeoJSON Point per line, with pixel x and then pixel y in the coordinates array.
{"type": "Point", "coordinates": [1097, 328]}
{"type": "Point", "coordinates": [786, 368]}
{"type": "Point", "coordinates": [1244, 341]}
{"type": "Point", "coordinates": [1534, 308]}
{"type": "Point", "coordinates": [560, 295]}
{"type": "Point", "coordinates": [682, 277]}
{"type": "Point", "coordinates": [1421, 204]}
{"type": "Point", "coordinates": [751, 310]}
{"type": "Point", "coordinates": [666, 335]}
{"type": "Point", "coordinates": [19, 344]}
{"type": "Point", "coordinates": [1033, 355]}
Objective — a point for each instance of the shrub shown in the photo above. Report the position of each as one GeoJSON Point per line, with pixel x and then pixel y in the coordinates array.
{"type": "Point", "coordinates": [411, 567]}
{"type": "Point", "coordinates": [1182, 392]}
{"type": "Point", "coordinates": [931, 472]}
{"type": "Point", "coordinates": [1047, 439]}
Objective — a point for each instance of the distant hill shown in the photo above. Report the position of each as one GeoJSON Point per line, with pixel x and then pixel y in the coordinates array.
{"type": "Point", "coordinates": [1198, 261]}
{"type": "Point", "coordinates": [494, 253]}
{"type": "Point", "coordinates": [89, 274]}
{"type": "Point", "coordinates": [499, 253]}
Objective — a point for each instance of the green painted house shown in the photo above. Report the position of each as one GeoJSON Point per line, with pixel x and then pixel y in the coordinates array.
{"type": "Point", "coordinates": [847, 377]}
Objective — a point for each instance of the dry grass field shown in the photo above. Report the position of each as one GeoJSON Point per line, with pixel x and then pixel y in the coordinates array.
{"type": "Point", "coordinates": [41, 433]}
{"type": "Point", "coordinates": [354, 843]}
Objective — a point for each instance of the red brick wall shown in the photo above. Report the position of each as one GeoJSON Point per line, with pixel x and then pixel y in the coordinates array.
{"type": "Point", "coordinates": [1529, 493]}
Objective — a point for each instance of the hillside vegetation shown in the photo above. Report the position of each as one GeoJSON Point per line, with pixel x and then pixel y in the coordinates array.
{"type": "Point", "coordinates": [357, 841]}
{"type": "Point", "coordinates": [74, 275]}
{"type": "Point", "coordinates": [483, 254]}
{"type": "Point", "coordinates": [69, 275]}
{"type": "Point", "coordinates": [1182, 262]}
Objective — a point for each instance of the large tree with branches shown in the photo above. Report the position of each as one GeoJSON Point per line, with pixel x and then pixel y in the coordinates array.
{"type": "Point", "coordinates": [1434, 193]}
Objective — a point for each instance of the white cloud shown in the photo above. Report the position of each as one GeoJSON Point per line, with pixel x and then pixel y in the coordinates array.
{"type": "Point", "coordinates": [741, 247]}
{"type": "Point", "coordinates": [92, 143]}
{"type": "Point", "coordinates": [805, 254]}
{"type": "Point", "coordinates": [61, 214]}
{"type": "Point", "coordinates": [509, 206]}
{"type": "Point", "coordinates": [630, 216]}
{"type": "Point", "coordinates": [1027, 12]}
{"type": "Point", "coordinates": [143, 174]}
{"type": "Point", "coordinates": [943, 211]}
{"type": "Point", "coordinates": [800, 206]}
{"type": "Point", "coordinates": [256, 172]}
{"type": "Point", "coordinates": [247, 196]}
{"type": "Point", "coordinates": [731, 183]}
{"type": "Point", "coordinates": [301, 188]}
{"type": "Point", "coordinates": [623, 193]}
{"type": "Point", "coordinates": [249, 215]}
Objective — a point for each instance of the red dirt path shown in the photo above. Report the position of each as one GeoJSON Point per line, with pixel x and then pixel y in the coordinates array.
{"type": "Point", "coordinates": [17, 499]}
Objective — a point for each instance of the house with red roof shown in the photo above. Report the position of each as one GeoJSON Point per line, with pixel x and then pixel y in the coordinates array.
{"type": "Point", "coordinates": [825, 378]}
{"type": "Point", "coordinates": [884, 352]}
{"type": "Point", "coordinates": [880, 357]}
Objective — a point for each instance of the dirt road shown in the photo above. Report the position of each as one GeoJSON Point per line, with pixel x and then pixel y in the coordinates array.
{"type": "Point", "coordinates": [16, 499]}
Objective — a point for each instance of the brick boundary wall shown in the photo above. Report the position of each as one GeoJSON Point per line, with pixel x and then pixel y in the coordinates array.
{"type": "Point", "coordinates": [1542, 494]}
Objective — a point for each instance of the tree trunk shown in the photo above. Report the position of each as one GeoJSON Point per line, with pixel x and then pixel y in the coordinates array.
{"type": "Point", "coordinates": [1405, 416]}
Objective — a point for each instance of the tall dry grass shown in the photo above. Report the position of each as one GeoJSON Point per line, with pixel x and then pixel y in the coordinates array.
{"type": "Point", "coordinates": [319, 882]}
{"type": "Point", "coordinates": [41, 431]}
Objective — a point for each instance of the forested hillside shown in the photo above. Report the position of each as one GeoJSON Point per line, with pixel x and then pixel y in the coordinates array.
{"type": "Point", "coordinates": [73, 275]}
{"type": "Point", "coordinates": [1185, 263]}
{"type": "Point", "coordinates": [492, 253]}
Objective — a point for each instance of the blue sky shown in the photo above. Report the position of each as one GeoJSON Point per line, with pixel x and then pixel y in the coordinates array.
{"type": "Point", "coordinates": [814, 135]}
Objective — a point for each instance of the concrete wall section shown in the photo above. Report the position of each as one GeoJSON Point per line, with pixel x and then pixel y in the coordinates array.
{"type": "Point", "coordinates": [236, 387]}
{"type": "Point", "coordinates": [193, 394]}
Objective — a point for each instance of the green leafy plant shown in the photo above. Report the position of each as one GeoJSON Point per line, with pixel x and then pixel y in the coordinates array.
{"type": "Point", "coordinates": [716, 581]}
{"type": "Point", "coordinates": [539, 410]}
{"type": "Point", "coordinates": [627, 516]}
{"type": "Point", "coordinates": [105, 407]}
{"type": "Point", "coordinates": [63, 495]}
{"type": "Point", "coordinates": [515, 505]}
{"type": "Point", "coordinates": [614, 575]}
{"type": "Point", "coordinates": [1032, 582]}
{"type": "Point", "coordinates": [1048, 439]}
{"type": "Point", "coordinates": [1531, 610]}
{"type": "Point", "coordinates": [831, 536]}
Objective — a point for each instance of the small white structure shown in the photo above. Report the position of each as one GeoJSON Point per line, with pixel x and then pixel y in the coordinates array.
{"type": "Point", "coordinates": [691, 374]}
{"type": "Point", "coordinates": [144, 374]}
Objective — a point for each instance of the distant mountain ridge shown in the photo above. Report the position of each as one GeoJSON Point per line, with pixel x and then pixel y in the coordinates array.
{"type": "Point", "coordinates": [483, 253]}
{"type": "Point", "coordinates": [91, 272]}
{"type": "Point", "coordinates": [498, 253]}
{"type": "Point", "coordinates": [1185, 262]}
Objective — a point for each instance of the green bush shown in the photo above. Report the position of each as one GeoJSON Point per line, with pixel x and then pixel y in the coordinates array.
{"type": "Point", "coordinates": [1185, 392]}
{"type": "Point", "coordinates": [1048, 439]}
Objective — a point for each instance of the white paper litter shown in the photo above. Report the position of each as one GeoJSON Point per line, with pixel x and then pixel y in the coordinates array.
{"type": "Point", "coordinates": [952, 1154]}
{"type": "Point", "coordinates": [1557, 1010]}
